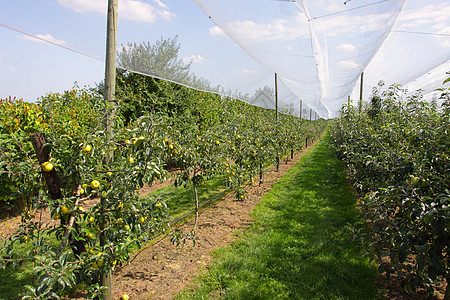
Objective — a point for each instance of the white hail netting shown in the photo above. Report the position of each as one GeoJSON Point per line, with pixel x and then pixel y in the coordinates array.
{"type": "Point", "coordinates": [318, 48]}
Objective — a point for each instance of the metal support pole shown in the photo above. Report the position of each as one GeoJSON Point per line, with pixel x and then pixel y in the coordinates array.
{"type": "Point", "coordinates": [301, 108]}
{"type": "Point", "coordinates": [276, 113]}
{"type": "Point", "coordinates": [276, 96]}
{"type": "Point", "coordinates": [361, 92]}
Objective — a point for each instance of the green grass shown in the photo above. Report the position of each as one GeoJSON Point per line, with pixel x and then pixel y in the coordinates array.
{"type": "Point", "coordinates": [297, 248]}
{"type": "Point", "coordinates": [13, 280]}
{"type": "Point", "coordinates": [180, 200]}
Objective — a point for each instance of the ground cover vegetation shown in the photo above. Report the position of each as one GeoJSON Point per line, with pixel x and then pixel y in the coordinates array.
{"type": "Point", "coordinates": [397, 153]}
{"type": "Point", "coordinates": [297, 246]}
{"type": "Point", "coordinates": [158, 126]}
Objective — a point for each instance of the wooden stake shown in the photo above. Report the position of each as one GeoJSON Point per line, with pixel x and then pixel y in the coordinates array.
{"type": "Point", "coordinates": [276, 96]}
{"type": "Point", "coordinates": [43, 155]}
{"type": "Point", "coordinates": [361, 92]}
{"type": "Point", "coordinates": [109, 97]}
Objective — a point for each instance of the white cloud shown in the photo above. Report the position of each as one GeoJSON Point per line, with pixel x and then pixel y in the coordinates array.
{"type": "Point", "coordinates": [216, 30]}
{"type": "Point", "coordinates": [82, 6]}
{"type": "Point", "coordinates": [12, 69]}
{"type": "Point", "coordinates": [160, 3]}
{"type": "Point", "coordinates": [330, 6]}
{"type": "Point", "coordinates": [445, 40]}
{"type": "Point", "coordinates": [429, 14]}
{"type": "Point", "coordinates": [249, 71]}
{"type": "Point", "coordinates": [346, 47]}
{"type": "Point", "coordinates": [166, 15]}
{"type": "Point", "coordinates": [47, 37]}
{"type": "Point", "coordinates": [278, 29]}
{"type": "Point", "coordinates": [348, 64]}
{"type": "Point", "coordinates": [355, 24]}
{"type": "Point", "coordinates": [193, 59]}
{"type": "Point", "coordinates": [135, 10]}
{"type": "Point", "coordinates": [297, 26]}
{"type": "Point", "coordinates": [431, 18]}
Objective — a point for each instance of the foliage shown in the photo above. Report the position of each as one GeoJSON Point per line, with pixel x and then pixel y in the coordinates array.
{"type": "Point", "coordinates": [75, 112]}
{"type": "Point", "coordinates": [73, 122]}
{"type": "Point", "coordinates": [158, 124]}
{"type": "Point", "coordinates": [396, 153]}
{"type": "Point", "coordinates": [186, 109]}
{"type": "Point", "coordinates": [297, 246]}
{"type": "Point", "coordinates": [160, 60]}
{"type": "Point", "coordinates": [18, 120]}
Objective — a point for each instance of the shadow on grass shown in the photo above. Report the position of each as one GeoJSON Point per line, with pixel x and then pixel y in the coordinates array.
{"type": "Point", "coordinates": [12, 282]}
{"type": "Point", "coordinates": [297, 248]}
{"type": "Point", "coordinates": [180, 200]}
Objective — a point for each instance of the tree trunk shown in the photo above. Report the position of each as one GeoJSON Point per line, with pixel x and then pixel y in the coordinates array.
{"type": "Point", "coordinates": [54, 188]}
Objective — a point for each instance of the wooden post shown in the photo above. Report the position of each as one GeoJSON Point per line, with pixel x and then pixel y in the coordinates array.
{"type": "Point", "coordinates": [276, 113]}
{"type": "Point", "coordinates": [109, 97]}
{"type": "Point", "coordinates": [194, 185]}
{"type": "Point", "coordinates": [276, 96]}
{"type": "Point", "coordinates": [261, 174]}
{"type": "Point", "coordinates": [110, 64]}
{"type": "Point", "coordinates": [361, 92]}
{"type": "Point", "coordinates": [301, 108]}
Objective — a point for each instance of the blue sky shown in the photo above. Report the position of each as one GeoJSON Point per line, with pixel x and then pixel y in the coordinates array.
{"type": "Point", "coordinates": [30, 68]}
{"type": "Point", "coordinates": [320, 63]}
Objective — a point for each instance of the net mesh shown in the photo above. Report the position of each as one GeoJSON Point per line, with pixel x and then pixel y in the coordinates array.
{"type": "Point", "coordinates": [317, 48]}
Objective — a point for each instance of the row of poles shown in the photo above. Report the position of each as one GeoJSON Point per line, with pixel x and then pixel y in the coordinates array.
{"type": "Point", "coordinates": [360, 104]}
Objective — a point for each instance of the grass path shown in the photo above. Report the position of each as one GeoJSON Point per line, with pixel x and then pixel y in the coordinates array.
{"type": "Point", "coordinates": [297, 247]}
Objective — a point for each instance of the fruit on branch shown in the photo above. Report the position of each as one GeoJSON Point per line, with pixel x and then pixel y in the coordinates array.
{"type": "Point", "coordinates": [87, 148]}
{"type": "Point", "coordinates": [95, 184]}
{"type": "Point", "coordinates": [47, 166]}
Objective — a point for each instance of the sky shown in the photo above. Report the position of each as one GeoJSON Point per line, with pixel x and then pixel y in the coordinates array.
{"type": "Point", "coordinates": [318, 48]}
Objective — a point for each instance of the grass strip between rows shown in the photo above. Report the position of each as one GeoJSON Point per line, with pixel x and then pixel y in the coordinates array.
{"type": "Point", "coordinates": [297, 247]}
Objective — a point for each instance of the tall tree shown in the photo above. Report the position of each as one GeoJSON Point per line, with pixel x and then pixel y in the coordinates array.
{"type": "Point", "coordinates": [160, 59]}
